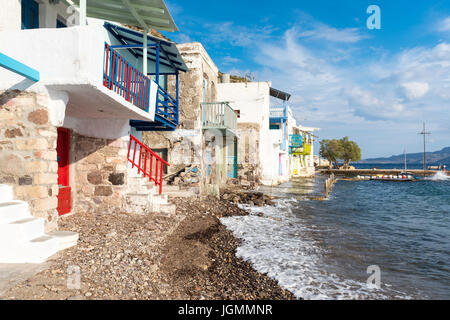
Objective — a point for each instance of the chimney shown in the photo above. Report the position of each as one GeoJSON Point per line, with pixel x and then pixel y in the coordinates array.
{"type": "Point", "coordinates": [225, 78]}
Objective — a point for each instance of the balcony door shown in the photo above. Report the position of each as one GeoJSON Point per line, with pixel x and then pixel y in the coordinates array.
{"type": "Point", "coordinates": [30, 14]}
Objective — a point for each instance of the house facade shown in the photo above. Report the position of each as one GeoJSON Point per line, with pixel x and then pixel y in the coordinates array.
{"type": "Point", "coordinates": [263, 130]}
{"type": "Point", "coordinates": [301, 151]}
{"type": "Point", "coordinates": [73, 91]}
{"type": "Point", "coordinates": [282, 124]}
{"type": "Point", "coordinates": [202, 152]}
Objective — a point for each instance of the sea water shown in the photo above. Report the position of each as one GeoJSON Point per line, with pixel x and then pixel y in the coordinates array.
{"type": "Point", "coordinates": [323, 249]}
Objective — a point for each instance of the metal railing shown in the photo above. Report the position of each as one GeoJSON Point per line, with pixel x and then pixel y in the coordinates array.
{"type": "Point", "coordinates": [147, 162]}
{"type": "Point", "coordinates": [218, 115]}
{"type": "Point", "coordinates": [278, 112]}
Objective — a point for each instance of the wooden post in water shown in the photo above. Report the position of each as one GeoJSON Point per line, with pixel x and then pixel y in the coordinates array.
{"type": "Point", "coordinates": [329, 183]}
{"type": "Point", "coordinates": [425, 133]}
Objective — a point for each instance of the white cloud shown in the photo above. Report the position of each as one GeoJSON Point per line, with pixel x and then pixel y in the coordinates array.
{"type": "Point", "coordinates": [342, 86]}
{"type": "Point", "coordinates": [444, 25]}
{"type": "Point", "coordinates": [324, 32]}
{"type": "Point", "coordinates": [237, 35]}
{"type": "Point", "coordinates": [397, 90]}
{"type": "Point", "coordinates": [230, 60]}
{"type": "Point", "coordinates": [415, 90]}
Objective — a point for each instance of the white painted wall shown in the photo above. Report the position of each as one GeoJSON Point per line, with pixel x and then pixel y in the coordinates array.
{"type": "Point", "coordinates": [292, 123]}
{"type": "Point", "coordinates": [253, 101]}
{"type": "Point", "coordinates": [99, 128]}
{"type": "Point", "coordinates": [71, 60]}
{"type": "Point", "coordinates": [10, 15]}
{"type": "Point", "coordinates": [62, 56]}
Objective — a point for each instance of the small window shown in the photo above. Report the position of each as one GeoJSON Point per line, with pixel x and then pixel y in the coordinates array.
{"type": "Point", "coordinates": [205, 85]}
{"type": "Point", "coordinates": [213, 92]}
{"type": "Point", "coordinates": [274, 127]}
{"type": "Point", "coordinates": [163, 153]}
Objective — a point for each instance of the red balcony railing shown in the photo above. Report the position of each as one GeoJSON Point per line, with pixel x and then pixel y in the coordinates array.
{"type": "Point", "coordinates": [124, 79]}
{"type": "Point", "coordinates": [147, 162]}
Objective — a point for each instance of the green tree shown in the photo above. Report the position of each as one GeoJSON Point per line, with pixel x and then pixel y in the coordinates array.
{"type": "Point", "coordinates": [350, 151]}
{"type": "Point", "coordinates": [331, 150]}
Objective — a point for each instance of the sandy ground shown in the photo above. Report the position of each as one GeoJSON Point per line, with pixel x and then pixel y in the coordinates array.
{"type": "Point", "coordinates": [189, 255]}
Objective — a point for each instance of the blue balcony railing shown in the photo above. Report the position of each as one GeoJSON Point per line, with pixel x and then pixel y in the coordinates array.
{"type": "Point", "coordinates": [166, 108]}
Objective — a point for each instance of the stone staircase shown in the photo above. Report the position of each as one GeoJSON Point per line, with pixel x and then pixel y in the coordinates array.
{"type": "Point", "coordinates": [22, 237]}
{"type": "Point", "coordinates": [173, 191]}
{"type": "Point", "coordinates": [142, 197]}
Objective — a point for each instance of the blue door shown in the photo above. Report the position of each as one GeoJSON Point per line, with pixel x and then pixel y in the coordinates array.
{"type": "Point", "coordinates": [30, 14]}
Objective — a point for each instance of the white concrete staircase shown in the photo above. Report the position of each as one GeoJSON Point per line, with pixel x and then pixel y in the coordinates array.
{"type": "Point", "coordinates": [142, 197]}
{"type": "Point", "coordinates": [22, 237]}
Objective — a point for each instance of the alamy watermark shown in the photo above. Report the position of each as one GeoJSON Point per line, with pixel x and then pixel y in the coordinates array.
{"type": "Point", "coordinates": [374, 20]}
{"type": "Point", "coordinates": [74, 278]}
{"type": "Point", "coordinates": [374, 281]}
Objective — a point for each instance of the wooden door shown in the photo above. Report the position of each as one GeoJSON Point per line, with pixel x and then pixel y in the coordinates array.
{"type": "Point", "coordinates": [63, 151]}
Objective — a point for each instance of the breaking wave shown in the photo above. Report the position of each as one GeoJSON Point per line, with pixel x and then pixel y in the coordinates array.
{"type": "Point", "coordinates": [440, 176]}
{"type": "Point", "coordinates": [276, 242]}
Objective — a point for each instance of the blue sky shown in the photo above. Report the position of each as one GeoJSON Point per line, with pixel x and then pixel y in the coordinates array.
{"type": "Point", "coordinates": [375, 86]}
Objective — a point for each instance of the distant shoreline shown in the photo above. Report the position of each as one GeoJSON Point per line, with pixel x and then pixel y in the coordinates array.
{"type": "Point", "coordinates": [355, 172]}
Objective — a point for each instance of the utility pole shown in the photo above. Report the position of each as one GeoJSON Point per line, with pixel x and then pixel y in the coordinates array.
{"type": "Point", "coordinates": [425, 134]}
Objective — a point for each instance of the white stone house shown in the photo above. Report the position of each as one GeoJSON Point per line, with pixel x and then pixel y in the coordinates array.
{"type": "Point", "coordinates": [263, 131]}
{"type": "Point", "coordinates": [72, 89]}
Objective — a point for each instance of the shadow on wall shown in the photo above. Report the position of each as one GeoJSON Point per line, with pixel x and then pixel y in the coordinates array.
{"type": "Point", "coordinates": [98, 171]}
{"type": "Point", "coordinates": [23, 85]}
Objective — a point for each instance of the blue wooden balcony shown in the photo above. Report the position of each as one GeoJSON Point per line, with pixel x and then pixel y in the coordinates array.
{"type": "Point", "coordinates": [278, 121]}
{"type": "Point", "coordinates": [148, 91]}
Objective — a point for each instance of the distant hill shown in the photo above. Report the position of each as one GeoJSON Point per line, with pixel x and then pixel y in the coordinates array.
{"type": "Point", "coordinates": [437, 157]}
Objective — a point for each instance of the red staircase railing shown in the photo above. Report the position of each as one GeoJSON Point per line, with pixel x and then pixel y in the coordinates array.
{"type": "Point", "coordinates": [148, 163]}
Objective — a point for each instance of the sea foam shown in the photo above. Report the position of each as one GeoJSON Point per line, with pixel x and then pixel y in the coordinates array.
{"type": "Point", "coordinates": [276, 242]}
{"type": "Point", "coordinates": [440, 176]}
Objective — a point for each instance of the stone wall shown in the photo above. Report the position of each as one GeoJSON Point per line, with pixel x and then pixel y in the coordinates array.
{"type": "Point", "coordinates": [184, 147]}
{"type": "Point", "coordinates": [98, 173]}
{"type": "Point", "coordinates": [28, 159]}
{"type": "Point", "coordinates": [201, 68]}
{"type": "Point", "coordinates": [249, 172]}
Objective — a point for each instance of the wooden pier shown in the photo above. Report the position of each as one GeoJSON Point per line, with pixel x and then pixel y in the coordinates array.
{"type": "Point", "coordinates": [375, 172]}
